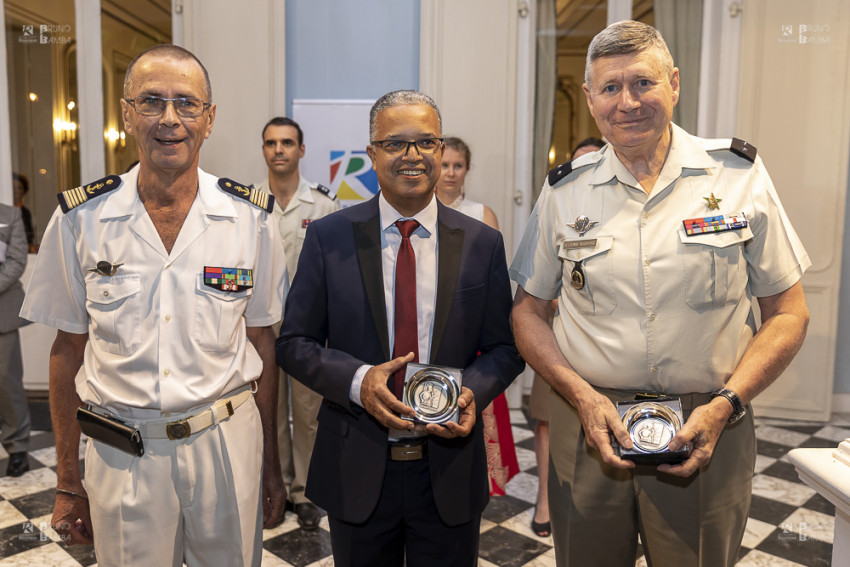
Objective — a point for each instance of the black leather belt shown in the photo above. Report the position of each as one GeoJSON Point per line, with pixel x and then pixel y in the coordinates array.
{"type": "Point", "coordinates": [408, 449]}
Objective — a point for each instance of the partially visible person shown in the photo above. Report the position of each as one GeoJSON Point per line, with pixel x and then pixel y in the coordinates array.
{"type": "Point", "coordinates": [587, 146]}
{"type": "Point", "coordinates": [169, 282]}
{"type": "Point", "coordinates": [450, 188]}
{"type": "Point", "coordinates": [297, 203]}
{"type": "Point", "coordinates": [538, 406]}
{"type": "Point", "coordinates": [14, 409]}
{"type": "Point", "coordinates": [502, 464]}
{"type": "Point", "coordinates": [21, 187]}
{"type": "Point", "coordinates": [655, 298]}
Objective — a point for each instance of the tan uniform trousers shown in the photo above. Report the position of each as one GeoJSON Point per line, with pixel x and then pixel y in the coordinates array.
{"type": "Point", "coordinates": [296, 445]}
{"type": "Point", "coordinates": [194, 500]}
{"type": "Point", "coordinates": [597, 512]}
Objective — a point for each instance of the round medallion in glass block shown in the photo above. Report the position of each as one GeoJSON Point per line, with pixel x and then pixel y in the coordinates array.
{"type": "Point", "coordinates": [651, 426]}
{"type": "Point", "coordinates": [433, 394]}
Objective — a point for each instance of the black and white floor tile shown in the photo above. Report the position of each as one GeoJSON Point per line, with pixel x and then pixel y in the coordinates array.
{"type": "Point", "coordinates": [790, 524]}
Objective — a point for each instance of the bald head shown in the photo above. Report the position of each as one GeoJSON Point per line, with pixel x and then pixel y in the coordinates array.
{"type": "Point", "coordinates": [166, 50]}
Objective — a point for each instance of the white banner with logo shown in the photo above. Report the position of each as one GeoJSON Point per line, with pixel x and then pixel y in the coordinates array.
{"type": "Point", "coordinates": [336, 133]}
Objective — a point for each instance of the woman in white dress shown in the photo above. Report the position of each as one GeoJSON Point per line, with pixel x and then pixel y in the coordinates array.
{"type": "Point", "coordinates": [501, 454]}
{"type": "Point", "coordinates": [456, 160]}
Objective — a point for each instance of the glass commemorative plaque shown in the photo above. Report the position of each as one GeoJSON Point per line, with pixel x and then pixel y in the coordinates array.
{"type": "Point", "coordinates": [432, 391]}
{"type": "Point", "coordinates": [651, 425]}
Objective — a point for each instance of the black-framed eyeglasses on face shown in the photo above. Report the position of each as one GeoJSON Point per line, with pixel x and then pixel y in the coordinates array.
{"type": "Point", "coordinates": [395, 147]}
{"type": "Point", "coordinates": [184, 106]}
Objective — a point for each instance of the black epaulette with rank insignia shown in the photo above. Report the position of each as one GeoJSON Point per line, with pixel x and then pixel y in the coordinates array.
{"type": "Point", "coordinates": [75, 197]}
{"type": "Point", "coordinates": [741, 148]}
{"type": "Point", "coordinates": [559, 173]}
{"type": "Point", "coordinates": [256, 197]}
{"type": "Point", "coordinates": [325, 191]}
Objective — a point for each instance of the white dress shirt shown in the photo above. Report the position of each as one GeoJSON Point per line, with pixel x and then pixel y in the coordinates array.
{"type": "Point", "coordinates": [424, 242]}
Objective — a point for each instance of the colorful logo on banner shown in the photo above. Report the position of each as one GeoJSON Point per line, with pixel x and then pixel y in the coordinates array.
{"type": "Point", "coordinates": [352, 177]}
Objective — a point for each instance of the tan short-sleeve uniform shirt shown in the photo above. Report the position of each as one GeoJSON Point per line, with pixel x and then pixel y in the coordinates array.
{"type": "Point", "coordinates": [659, 310]}
{"type": "Point", "coordinates": [308, 204]}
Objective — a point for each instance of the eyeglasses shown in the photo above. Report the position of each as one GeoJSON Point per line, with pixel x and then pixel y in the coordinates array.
{"type": "Point", "coordinates": [395, 147]}
{"type": "Point", "coordinates": [184, 106]}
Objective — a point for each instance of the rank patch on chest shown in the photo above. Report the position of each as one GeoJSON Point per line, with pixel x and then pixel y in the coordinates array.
{"type": "Point", "coordinates": [228, 279]}
{"type": "Point", "coordinates": [719, 223]}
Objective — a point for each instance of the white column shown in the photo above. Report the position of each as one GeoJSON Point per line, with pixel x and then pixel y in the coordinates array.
{"type": "Point", "coordinates": [247, 75]}
{"type": "Point", "coordinates": [5, 132]}
{"type": "Point", "coordinates": [90, 89]}
{"type": "Point", "coordinates": [619, 10]}
{"type": "Point", "coordinates": [717, 116]}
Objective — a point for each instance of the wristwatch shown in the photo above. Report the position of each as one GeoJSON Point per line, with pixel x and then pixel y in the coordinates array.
{"type": "Point", "coordinates": [738, 409]}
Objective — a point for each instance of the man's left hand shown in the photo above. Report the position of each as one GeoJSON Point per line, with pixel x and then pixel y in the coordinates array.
{"type": "Point", "coordinates": [702, 430]}
{"type": "Point", "coordinates": [274, 497]}
{"type": "Point", "coordinates": [465, 422]}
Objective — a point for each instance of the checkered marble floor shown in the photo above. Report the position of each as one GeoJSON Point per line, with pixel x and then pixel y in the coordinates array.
{"type": "Point", "coordinates": [789, 524]}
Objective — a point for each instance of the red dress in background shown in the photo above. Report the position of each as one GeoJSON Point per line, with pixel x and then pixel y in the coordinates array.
{"type": "Point", "coordinates": [502, 463]}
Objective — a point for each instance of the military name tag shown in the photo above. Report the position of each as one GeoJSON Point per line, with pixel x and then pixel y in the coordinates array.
{"type": "Point", "coordinates": [432, 391]}
{"type": "Point", "coordinates": [228, 279]}
{"type": "Point", "coordinates": [719, 223]}
{"type": "Point", "coordinates": [573, 244]}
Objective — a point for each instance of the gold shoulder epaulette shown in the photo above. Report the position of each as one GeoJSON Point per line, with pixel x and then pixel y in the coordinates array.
{"type": "Point", "coordinates": [256, 197]}
{"type": "Point", "coordinates": [79, 195]}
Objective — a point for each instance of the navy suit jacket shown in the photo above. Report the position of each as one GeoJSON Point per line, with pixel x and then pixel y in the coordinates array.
{"type": "Point", "coordinates": [335, 321]}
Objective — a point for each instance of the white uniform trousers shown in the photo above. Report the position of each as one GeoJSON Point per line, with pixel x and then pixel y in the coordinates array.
{"type": "Point", "coordinates": [196, 500]}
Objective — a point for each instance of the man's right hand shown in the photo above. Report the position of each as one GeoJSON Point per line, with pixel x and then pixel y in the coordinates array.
{"type": "Point", "coordinates": [72, 520]}
{"type": "Point", "coordinates": [600, 419]}
{"type": "Point", "coordinates": [379, 401]}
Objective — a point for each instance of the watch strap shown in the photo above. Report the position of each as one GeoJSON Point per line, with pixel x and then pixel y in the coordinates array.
{"type": "Point", "coordinates": [738, 409]}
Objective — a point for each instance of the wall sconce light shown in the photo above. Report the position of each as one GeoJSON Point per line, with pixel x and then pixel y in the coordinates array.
{"type": "Point", "coordinates": [114, 137]}
{"type": "Point", "coordinates": [67, 130]}
{"type": "Point", "coordinates": [33, 97]}
{"type": "Point", "coordinates": [72, 105]}
{"type": "Point", "coordinates": [551, 155]}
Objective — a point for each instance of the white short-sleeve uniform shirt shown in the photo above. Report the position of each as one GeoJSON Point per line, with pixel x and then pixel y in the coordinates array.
{"type": "Point", "coordinates": [160, 340]}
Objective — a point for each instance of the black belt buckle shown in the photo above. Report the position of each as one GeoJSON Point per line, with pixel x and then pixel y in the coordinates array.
{"type": "Point", "coordinates": [178, 430]}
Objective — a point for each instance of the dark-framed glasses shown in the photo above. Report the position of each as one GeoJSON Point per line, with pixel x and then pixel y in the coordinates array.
{"type": "Point", "coordinates": [185, 106]}
{"type": "Point", "coordinates": [395, 147]}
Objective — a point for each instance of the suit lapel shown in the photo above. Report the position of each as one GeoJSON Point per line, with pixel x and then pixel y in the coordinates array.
{"type": "Point", "coordinates": [450, 247]}
{"type": "Point", "coordinates": [367, 240]}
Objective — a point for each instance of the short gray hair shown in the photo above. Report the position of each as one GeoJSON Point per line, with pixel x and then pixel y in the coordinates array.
{"type": "Point", "coordinates": [625, 37]}
{"type": "Point", "coordinates": [166, 50]}
{"type": "Point", "coordinates": [397, 98]}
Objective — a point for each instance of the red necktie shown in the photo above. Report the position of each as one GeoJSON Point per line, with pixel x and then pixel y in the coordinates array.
{"type": "Point", "coordinates": [406, 327]}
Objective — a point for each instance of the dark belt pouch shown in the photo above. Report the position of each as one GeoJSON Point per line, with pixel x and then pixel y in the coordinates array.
{"type": "Point", "coordinates": [111, 431]}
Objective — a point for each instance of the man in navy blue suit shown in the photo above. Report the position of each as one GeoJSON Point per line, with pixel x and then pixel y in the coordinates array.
{"type": "Point", "coordinates": [392, 489]}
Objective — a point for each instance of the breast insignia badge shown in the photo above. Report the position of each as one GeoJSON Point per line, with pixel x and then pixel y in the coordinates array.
{"type": "Point", "coordinates": [105, 268]}
{"type": "Point", "coordinates": [582, 225]}
{"type": "Point", "coordinates": [712, 202]}
{"type": "Point", "coordinates": [577, 276]}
